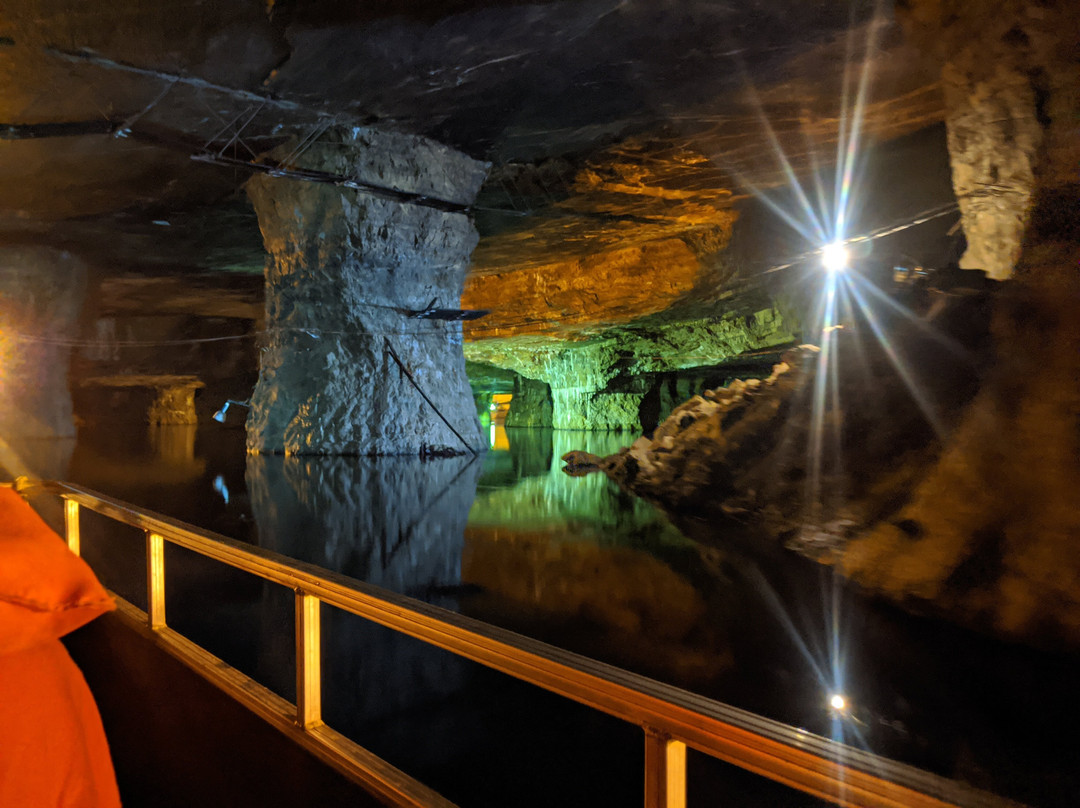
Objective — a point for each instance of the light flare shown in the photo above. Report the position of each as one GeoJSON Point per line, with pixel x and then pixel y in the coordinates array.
{"type": "Point", "coordinates": [835, 257]}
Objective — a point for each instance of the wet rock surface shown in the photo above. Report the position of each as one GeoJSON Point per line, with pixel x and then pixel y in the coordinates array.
{"type": "Point", "coordinates": [344, 364]}
{"type": "Point", "coordinates": [531, 405]}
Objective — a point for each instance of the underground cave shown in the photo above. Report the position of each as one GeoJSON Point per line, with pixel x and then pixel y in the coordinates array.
{"type": "Point", "coordinates": [453, 397]}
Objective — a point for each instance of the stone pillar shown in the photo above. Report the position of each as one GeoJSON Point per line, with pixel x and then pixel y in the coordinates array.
{"type": "Point", "coordinates": [41, 297]}
{"type": "Point", "coordinates": [993, 137]}
{"type": "Point", "coordinates": [1010, 77]}
{"type": "Point", "coordinates": [531, 404]}
{"type": "Point", "coordinates": [582, 395]}
{"type": "Point", "coordinates": [344, 270]}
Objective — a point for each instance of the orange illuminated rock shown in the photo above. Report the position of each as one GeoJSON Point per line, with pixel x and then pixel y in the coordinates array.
{"type": "Point", "coordinates": [626, 240]}
{"type": "Point", "coordinates": [608, 288]}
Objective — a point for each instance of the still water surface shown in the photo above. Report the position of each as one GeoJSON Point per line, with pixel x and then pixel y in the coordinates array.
{"type": "Point", "coordinates": [508, 538]}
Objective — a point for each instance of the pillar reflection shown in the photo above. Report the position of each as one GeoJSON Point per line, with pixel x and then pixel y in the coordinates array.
{"type": "Point", "coordinates": [395, 522]}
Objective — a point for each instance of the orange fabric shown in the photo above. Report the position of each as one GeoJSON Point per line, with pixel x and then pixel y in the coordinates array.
{"type": "Point", "coordinates": [45, 589]}
{"type": "Point", "coordinates": [53, 752]}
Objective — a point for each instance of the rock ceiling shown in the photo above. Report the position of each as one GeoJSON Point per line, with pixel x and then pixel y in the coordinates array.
{"type": "Point", "coordinates": [625, 137]}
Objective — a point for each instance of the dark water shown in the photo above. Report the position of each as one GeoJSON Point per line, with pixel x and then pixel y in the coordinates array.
{"type": "Point", "coordinates": [509, 539]}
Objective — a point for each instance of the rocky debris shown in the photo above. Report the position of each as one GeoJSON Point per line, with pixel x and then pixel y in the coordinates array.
{"type": "Point", "coordinates": [693, 455]}
{"type": "Point", "coordinates": [345, 369]}
{"type": "Point", "coordinates": [579, 463]}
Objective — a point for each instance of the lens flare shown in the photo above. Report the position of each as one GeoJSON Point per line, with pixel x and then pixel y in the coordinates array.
{"type": "Point", "coordinates": [835, 256]}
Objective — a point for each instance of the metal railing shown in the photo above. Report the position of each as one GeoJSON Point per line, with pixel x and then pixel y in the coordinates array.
{"type": "Point", "coordinates": [671, 719]}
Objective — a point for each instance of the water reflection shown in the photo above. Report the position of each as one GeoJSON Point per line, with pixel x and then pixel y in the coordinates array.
{"type": "Point", "coordinates": [395, 522]}
{"type": "Point", "coordinates": [523, 489]}
{"type": "Point", "coordinates": [132, 457]}
{"type": "Point", "coordinates": [510, 539]}
{"type": "Point", "coordinates": [579, 562]}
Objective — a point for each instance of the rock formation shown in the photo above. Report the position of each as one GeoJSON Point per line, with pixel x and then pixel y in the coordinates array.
{"type": "Point", "coordinates": [1010, 76]}
{"type": "Point", "coordinates": [345, 368]}
{"type": "Point", "coordinates": [601, 382]}
{"type": "Point", "coordinates": [988, 533]}
{"type": "Point", "coordinates": [956, 498]}
{"type": "Point", "coordinates": [41, 298]}
{"type": "Point", "coordinates": [749, 447]}
{"type": "Point", "coordinates": [531, 405]}
{"type": "Point", "coordinates": [882, 458]}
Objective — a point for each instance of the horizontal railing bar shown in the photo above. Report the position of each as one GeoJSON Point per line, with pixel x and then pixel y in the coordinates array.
{"type": "Point", "coordinates": [384, 781]}
{"type": "Point", "coordinates": [800, 759]}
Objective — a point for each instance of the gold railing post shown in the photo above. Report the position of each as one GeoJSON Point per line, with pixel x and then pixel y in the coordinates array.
{"type": "Point", "coordinates": [665, 771]}
{"type": "Point", "coordinates": [155, 580]}
{"type": "Point", "coordinates": [308, 660]}
{"type": "Point", "coordinates": [71, 525]}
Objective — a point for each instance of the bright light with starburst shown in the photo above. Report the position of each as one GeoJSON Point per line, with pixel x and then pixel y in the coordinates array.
{"type": "Point", "coordinates": [834, 257]}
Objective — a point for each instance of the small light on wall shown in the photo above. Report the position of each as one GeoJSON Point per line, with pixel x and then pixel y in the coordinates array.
{"type": "Point", "coordinates": [219, 416]}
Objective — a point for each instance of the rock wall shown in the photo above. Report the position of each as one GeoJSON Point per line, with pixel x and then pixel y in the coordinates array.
{"type": "Point", "coordinates": [41, 298]}
{"type": "Point", "coordinates": [531, 405]}
{"type": "Point", "coordinates": [345, 268]}
{"type": "Point", "coordinates": [600, 383]}
{"type": "Point", "coordinates": [1011, 80]}
{"type": "Point", "coordinates": [974, 520]}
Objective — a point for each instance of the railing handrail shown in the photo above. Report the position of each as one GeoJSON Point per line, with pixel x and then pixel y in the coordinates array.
{"type": "Point", "coordinates": [802, 760]}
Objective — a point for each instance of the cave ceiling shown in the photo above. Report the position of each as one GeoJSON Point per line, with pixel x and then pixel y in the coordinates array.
{"type": "Point", "coordinates": [625, 138]}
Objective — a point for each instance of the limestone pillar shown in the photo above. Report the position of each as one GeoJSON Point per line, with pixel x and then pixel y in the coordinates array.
{"type": "Point", "coordinates": [582, 394]}
{"type": "Point", "coordinates": [41, 296]}
{"type": "Point", "coordinates": [344, 364]}
{"type": "Point", "coordinates": [993, 138]}
{"type": "Point", "coordinates": [1010, 78]}
{"type": "Point", "coordinates": [531, 404]}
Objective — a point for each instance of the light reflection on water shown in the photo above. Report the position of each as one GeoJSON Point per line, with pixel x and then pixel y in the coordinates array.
{"type": "Point", "coordinates": [510, 539]}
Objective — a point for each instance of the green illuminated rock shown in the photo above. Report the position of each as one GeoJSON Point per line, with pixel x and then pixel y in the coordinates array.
{"type": "Point", "coordinates": [602, 383]}
{"type": "Point", "coordinates": [531, 405]}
